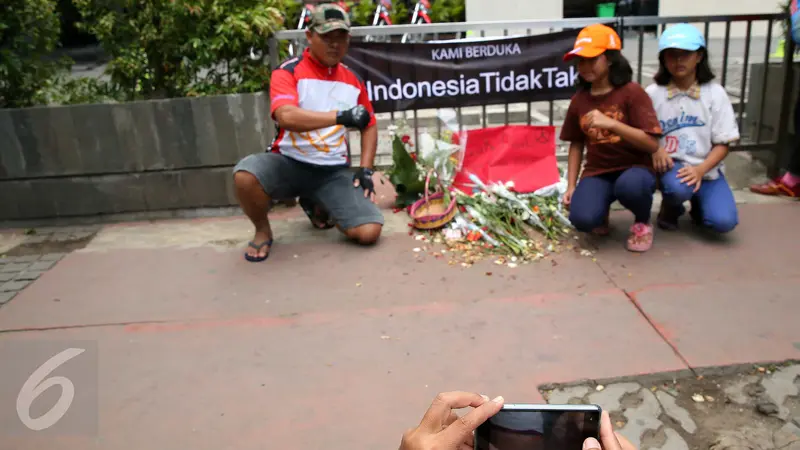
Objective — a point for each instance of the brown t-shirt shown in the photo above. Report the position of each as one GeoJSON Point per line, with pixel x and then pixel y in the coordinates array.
{"type": "Point", "coordinates": [606, 151]}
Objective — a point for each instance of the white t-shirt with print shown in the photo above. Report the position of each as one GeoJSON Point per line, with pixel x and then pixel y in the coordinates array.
{"type": "Point", "coordinates": [692, 126]}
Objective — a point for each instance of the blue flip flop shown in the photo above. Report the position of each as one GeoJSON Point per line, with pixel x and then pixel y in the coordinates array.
{"type": "Point", "coordinates": [258, 247]}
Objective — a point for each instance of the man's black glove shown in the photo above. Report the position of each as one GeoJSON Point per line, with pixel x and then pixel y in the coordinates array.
{"type": "Point", "coordinates": [357, 117]}
{"type": "Point", "coordinates": [363, 178]}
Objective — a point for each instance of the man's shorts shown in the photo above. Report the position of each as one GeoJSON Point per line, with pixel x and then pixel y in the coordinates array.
{"type": "Point", "coordinates": [284, 178]}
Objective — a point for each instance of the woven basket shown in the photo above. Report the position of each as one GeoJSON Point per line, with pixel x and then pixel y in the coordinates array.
{"type": "Point", "coordinates": [431, 212]}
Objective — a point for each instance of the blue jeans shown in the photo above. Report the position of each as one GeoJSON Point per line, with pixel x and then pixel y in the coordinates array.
{"type": "Point", "coordinates": [593, 197]}
{"type": "Point", "coordinates": [714, 199]}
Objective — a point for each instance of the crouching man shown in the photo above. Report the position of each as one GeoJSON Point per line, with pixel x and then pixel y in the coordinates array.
{"type": "Point", "coordinates": [315, 98]}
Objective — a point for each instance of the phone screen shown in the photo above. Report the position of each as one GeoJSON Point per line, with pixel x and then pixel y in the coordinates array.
{"type": "Point", "coordinates": [537, 429]}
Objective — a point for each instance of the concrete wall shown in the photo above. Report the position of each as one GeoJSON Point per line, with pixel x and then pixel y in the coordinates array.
{"type": "Point", "coordinates": [504, 10]}
{"type": "Point", "coordinates": [668, 8]}
{"type": "Point", "coordinates": [773, 97]}
{"type": "Point", "coordinates": [132, 157]}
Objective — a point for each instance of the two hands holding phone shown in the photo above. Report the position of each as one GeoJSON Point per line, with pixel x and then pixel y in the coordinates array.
{"type": "Point", "coordinates": [442, 429]}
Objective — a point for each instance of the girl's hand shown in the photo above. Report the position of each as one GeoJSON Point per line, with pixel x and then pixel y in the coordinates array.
{"type": "Point", "coordinates": [596, 119]}
{"type": "Point", "coordinates": [691, 176]}
{"type": "Point", "coordinates": [662, 161]}
{"type": "Point", "coordinates": [568, 196]}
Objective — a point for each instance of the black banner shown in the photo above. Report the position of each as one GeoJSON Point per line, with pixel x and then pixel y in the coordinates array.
{"type": "Point", "coordinates": [466, 72]}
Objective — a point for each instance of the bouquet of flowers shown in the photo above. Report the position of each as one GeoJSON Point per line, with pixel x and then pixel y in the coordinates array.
{"type": "Point", "coordinates": [496, 219]}
{"type": "Point", "coordinates": [510, 221]}
{"type": "Point", "coordinates": [441, 154]}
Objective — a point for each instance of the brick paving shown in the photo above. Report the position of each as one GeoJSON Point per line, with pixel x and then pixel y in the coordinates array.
{"type": "Point", "coordinates": [17, 272]}
{"type": "Point", "coordinates": [38, 251]}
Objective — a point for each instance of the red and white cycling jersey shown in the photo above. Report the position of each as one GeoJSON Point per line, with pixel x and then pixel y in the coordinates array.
{"type": "Point", "coordinates": [306, 83]}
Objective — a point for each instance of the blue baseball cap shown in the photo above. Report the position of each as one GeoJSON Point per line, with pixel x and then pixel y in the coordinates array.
{"type": "Point", "coordinates": [681, 36]}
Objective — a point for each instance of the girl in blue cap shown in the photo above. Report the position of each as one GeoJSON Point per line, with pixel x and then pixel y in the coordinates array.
{"type": "Point", "coordinates": [698, 124]}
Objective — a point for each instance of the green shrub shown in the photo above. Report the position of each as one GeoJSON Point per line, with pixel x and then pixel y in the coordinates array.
{"type": "Point", "coordinates": [157, 48]}
{"type": "Point", "coordinates": [448, 11]}
{"type": "Point", "coordinates": [62, 89]}
{"type": "Point", "coordinates": [400, 13]}
{"type": "Point", "coordinates": [441, 11]}
{"type": "Point", "coordinates": [291, 13]}
{"type": "Point", "coordinates": [29, 33]}
{"type": "Point", "coordinates": [176, 48]}
{"type": "Point", "coordinates": [362, 13]}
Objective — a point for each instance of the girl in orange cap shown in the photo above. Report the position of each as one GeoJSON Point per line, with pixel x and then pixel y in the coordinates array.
{"type": "Point", "coordinates": [613, 120]}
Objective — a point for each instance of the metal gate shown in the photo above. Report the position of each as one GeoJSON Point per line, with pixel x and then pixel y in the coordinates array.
{"type": "Point", "coordinates": [758, 79]}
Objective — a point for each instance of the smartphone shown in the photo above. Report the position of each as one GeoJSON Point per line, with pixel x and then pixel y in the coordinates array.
{"type": "Point", "coordinates": [539, 427]}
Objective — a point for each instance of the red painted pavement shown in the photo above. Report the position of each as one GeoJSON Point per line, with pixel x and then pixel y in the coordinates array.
{"type": "Point", "coordinates": [765, 246]}
{"type": "Point", "coordinates": [203, 350]}
{"type": "Point", "coordinates": [346, 380]}
{"type": "Point", "coordinates": [724, 300]}
{"type": "Point", "coordinates": [125, 286]}
{"type": "Point", "coordinates": [728, 322]}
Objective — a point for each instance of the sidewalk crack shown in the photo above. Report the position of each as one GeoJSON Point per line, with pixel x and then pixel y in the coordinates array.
{"type": "Point", "coordinates": [632, 298]}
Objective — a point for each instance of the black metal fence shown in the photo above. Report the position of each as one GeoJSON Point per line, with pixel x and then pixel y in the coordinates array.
{"type": "Point", "coordinates": [758, 79]}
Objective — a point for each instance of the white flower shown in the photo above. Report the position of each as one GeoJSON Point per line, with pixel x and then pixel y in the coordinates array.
{"type": "Point", "coordinates": [452, 234]}
{"type": "Point", "coordinates": [509, 185]}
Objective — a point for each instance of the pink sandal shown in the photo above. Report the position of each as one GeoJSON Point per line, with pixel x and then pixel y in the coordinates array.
{"type": "Point", "coordinates": [641, 237]}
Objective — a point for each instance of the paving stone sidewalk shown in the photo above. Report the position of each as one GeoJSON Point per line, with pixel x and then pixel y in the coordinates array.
{"type": "Point", "coordinates": [754, 408]}
{"type": "Point", "coordinates": [23, 259]}
{"type": "Point", "coordinates": [17, 272]}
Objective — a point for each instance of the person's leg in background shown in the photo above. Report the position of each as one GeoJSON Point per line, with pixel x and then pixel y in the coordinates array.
{"type": "Point", "coordinates": [674, 195]}
{"type": "Point", "coordinates": [714, 207]}
{"type": "Point", "coordinates": [591, 202]}
{"type": "Point", "coordinates": [634, 189]}
{"type": "Point", "coordinates": [789, 183]}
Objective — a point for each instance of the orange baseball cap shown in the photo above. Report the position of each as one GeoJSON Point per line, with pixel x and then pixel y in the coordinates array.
{"type": "Point", "coordinates": [593, 41]}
